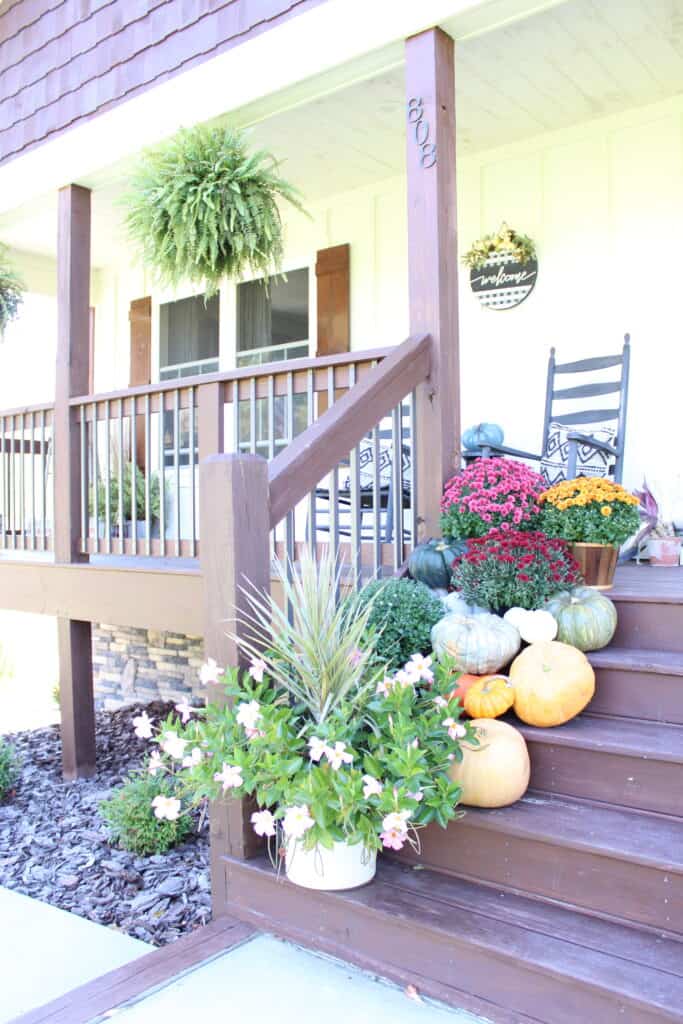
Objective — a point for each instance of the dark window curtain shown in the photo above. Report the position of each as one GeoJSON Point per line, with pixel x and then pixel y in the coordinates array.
{"type": "Point", "coordinates": [253, 316]}
{"type": "Point", "coordinates": [188, 330]}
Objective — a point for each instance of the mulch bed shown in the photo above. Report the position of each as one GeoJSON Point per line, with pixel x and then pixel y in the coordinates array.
{"type": "Point", "coordinates": [53, 843]}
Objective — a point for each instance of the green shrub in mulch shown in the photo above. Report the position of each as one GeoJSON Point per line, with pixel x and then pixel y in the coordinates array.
{"type": "Point", "coordinates": [132, 814]}
{"type": "Point", "coordinates": [9, 769]}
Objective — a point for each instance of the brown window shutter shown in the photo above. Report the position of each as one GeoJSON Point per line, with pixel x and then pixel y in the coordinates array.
{"type": "Point", "coordinates": [334, 295]}
{"type": "Point", "coordinates": [91, 351]}
{"type": "Point", "coordinates": [140, 317]}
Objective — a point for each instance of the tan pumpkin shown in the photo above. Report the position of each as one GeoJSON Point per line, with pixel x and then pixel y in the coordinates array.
{"type": "Point", "coordinates": [489, 697]}
{"type": "Point", "coordinates": [495, 773]}
{"type": "Point", "coordinates": [552, 683]}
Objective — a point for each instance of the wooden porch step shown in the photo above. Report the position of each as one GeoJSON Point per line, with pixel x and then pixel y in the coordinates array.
{"type": "Point", "coordinates": [644, 684]}
{"type": "Point", "coordinates": [624, 864]}
{"type": "Point", "coordinates": [649, 620]}
{"type": "Point", "coordinates": [508, 957]}
{"type": "Point", "coordinates": [619, 761]}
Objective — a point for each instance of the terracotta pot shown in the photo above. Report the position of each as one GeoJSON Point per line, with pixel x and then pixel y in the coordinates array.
{"type": "Point", "coordinates": [597, 563]}
{"type": "Point", "coordinates": [664, 550]}
{"type": "Point", "coordinates": [342, 867]}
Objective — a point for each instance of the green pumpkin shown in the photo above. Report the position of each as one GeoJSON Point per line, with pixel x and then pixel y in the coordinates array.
{"type": "Point", "coordinates": [431, 561]}
{"type": "Point", "coordinates": [586, 619]}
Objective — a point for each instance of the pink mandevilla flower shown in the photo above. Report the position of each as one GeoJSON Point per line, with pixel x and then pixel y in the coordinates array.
{"type": "Point", "coordinates": [317, 748]}
{"type": "Point", "coordinates": [371, 786]}
{"type": "Point", "coordinates": [338, 755]}
{"type": "Point", "coordinates": [210, 672]}
{"type": "Point", "coordinates": [143, 726]}
{"type": "Point", "coordinates": [393, 839]}
{"type": "Point", "coordinates": [230, 776]}
{"type": "Point", "coordinates": [185, 711]}
{"type": "Point", "coordinates": [257, 669]}
{"type": "Point", "coordinates": [263, 823]}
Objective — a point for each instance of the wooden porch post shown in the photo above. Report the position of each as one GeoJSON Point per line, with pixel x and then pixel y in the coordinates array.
{"type": "Point", "coordinates": [432, 261]}
{"type": "Point", "coordinates": [72, 378]}
{"type": "Point", "coordinates": [234, 516]}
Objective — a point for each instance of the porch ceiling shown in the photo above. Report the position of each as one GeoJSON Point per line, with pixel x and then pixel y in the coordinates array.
{"type": "Point", "coordinates": [578, 60]}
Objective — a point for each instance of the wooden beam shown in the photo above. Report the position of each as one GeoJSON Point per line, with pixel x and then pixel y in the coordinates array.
{"type": "Point", "coordinates": [306, 460]}
{"type": "Point", "coordinates": [72, 378]}
{"type": "Point", "coordinates": [432, 261]}
{"type": "Point", "coordinates": [234, 525]}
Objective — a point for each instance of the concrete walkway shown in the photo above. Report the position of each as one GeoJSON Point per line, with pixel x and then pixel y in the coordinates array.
{"type": "Point", "coordinates": [266, 980]}
{"type": "Point", "coordinates": [45, 952]}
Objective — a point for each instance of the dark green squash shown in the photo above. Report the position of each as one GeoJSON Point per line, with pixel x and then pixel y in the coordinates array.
{"type": "Point", "coordinates": [431, 561]}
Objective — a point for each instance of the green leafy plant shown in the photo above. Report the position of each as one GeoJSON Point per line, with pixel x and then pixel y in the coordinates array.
{"type": "Point", "coordinates": [11, 290]}
{"type": "Point", "coordinates": [401, 615]}
{"type": "Point", "coordinates": [154, 496]}
{"type": "Point", "coordinates": [520, 247]}
{"type": "Point", "coordinates": [9, 769]}
{"type": "Point", "coordinates": [132, 818]}
{"type": "Point", "coordinates": [203, 208]}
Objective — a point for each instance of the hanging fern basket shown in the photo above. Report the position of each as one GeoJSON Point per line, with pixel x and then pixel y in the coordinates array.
{"type": "Point", "coordinates": [11, 291]}
{"type": "Point", "coordinates": [203, 208]}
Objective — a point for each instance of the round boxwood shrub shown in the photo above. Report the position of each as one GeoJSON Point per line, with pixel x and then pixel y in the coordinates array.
{"type": "Point", "coordinates": [402, 616]}
{"type": "Point", "coordinates": [131, 820]}
{"type": "Point", "coordinates": [9, 769]}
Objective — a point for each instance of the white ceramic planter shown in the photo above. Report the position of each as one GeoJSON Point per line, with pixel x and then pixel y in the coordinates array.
{"type": "Point", "coordinates": [664, 550]}
{"type": "Point", "coordinates": [342, 867]}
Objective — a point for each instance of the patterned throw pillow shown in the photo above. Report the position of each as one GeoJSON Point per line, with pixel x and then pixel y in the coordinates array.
{"type": "Point", "coordinates": [589, 461]}
{"type": "Point", "coordinates": [366, 464]}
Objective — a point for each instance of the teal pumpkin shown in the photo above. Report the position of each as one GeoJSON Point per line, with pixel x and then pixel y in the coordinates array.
{"type": "Point", "coordinates": [586, 619]}
{"type": "Point", "coordinates": [482, 433]}
{"type": "Point", "coordinates": [431, 562]}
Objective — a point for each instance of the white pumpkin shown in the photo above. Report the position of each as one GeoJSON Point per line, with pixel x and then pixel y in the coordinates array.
{"type": "Point", "coordinates": [534, 626]}
{"type": "Point", "coordinates": [455, 603]}
{"type": "Point", "coordinates": [479, 644]}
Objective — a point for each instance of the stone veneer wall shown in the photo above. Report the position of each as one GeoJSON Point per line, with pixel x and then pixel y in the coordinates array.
{"type": "Point", "coordinates": [140, 665]}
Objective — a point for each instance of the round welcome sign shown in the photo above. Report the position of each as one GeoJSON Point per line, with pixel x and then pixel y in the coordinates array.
{"type": "Point", "coordinates": [502, 281]}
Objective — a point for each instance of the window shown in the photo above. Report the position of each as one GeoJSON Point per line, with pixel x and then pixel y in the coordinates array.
{"type": "Point", "coordinates": [188, 337]}
{"type": "Point", "coordinates": [272, 323]}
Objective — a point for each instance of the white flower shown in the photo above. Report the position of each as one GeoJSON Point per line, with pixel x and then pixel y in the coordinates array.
{"type": "Point", "coordinates": [155, 762]}
{"type": "Point", "coordinates": [441, 702]}
{"type": "Point", "coordinates": [143, 726]}
{"type": "Point", "coordinates": [385, 686]}
{"type": "Point", "coordinates": [166, 807]}
{"type": "Point", "coordinates": [184, 710]}
{"type": "Point", "coordinates": [371, 786]}
{"type": "Point", "coordinates": [338, 755]}
{"type": "Point", "coordinates": [297, 820]}
{"type": "Point", "coordinates": [396, 821]}
{"type": "Point", "coordinates": [248, 714]}
{"type": "Point", "coordinates": [230, 775]}
{"type": "Point", "coordinates": [209, 672]}
{"type": "Point", "coordinates": [264, 823]}
{"type": "Point", "coordinates": [416, 796]}
{"type": "Point", "coordinates": [317, 748]}
{"type": "Point", "coordinates": [258, 667]}
{"type": "Point", "coordinates": [405, 678]}
{"type": "Point", "coordinates": [421, 666]}
{"type": "Point", "coordinates": [173, 745]}
{"type": "Point", "coordinates": [193, 758]}
{"type": "Point", "coordinates": [456, 731]}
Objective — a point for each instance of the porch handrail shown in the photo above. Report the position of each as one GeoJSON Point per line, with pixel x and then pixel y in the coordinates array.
{"type": "Point", "coordinates": [243, 373]}
{"type": "Point", "coordinates": [318, 449]}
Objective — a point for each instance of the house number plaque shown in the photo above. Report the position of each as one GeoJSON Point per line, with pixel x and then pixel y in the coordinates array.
{"type": "Point", "coordinates": [416, 117]}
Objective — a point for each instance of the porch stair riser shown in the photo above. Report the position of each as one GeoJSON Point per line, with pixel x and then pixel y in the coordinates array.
{"type": "Point", "coordinates": [643, 684]}
{"type": "Point", "coordinates": [648, 625]}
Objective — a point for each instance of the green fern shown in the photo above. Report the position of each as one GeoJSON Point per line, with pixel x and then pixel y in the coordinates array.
{"type": "Point", "coordinates": [11, 290]}
{"type": "Point", "coordinates": [202, 208]}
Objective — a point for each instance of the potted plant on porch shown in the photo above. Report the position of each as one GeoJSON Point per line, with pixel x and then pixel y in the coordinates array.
{"type": "Point", "coordinates": [140, 503]}
{"type": "Point", "coordinates": [595, 516]}
{"type": "Point", "coordinates": [341, 759]}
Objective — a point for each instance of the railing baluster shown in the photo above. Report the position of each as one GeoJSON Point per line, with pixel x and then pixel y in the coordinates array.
{"type": "Point", "coordinates": [96, 474]}
{"type": "Point", "coordinates": [413, 468]}
{"type": "Point", "coordinates": [148, 477]}
{"type": "Point", "coordinates": [107, 476]}
{"type": "Point", "coordinates": [3, 472]}
{"type": "Point", "coordinates": [334, 481]}
{"type": "Point", "coordinates": [312, 498]}
{"type": "Point", "coordinates": [176, 466]}
{"type": "Point", "coordinates": [133, 476]}
{"type": "Point", "coordinates": [236, 415]}
{"type": "Point", "coordinates": [162, 479]}
{"type": "Point", "coordinates": [122, 531]}
{"type": "Point", "coordinates": [271, 417]}
{"type": "Point", "coordinates": [84, 479]}
{"type": "Point", "coordinates": [22, 482]}
{"type": "Point", "coordinates": [376, 506]}
{"type": "Point", "coordinates": [193, 478]}
{"type": "Point", "coordinates": [356, 513]}
{"type": "Point", "coordinates": [289, 556]}
{"type": "Point", "coordinates": [397, 483]}
{"type": "Point", "coordinates": [252, 415]}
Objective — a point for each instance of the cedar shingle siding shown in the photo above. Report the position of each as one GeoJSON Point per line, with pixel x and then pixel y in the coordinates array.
{"type": "Point", "coordinates": [63, 61]}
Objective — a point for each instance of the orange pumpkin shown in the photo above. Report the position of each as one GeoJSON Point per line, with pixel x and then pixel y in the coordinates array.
{"type": "Point", "coordinates": [490, 697]}
{"type": "Point", "coordinates": [464, 682]}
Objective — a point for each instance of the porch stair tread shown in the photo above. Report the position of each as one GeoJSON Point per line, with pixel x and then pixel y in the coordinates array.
{"type": "Point", "coordinates": [630, 737]}
{"type": "Point", "coordinates": [635, 836]}
{"type": "Point", "coordinates": [522, 956]}
{"type": "Point", "coordinates": [627, 659]}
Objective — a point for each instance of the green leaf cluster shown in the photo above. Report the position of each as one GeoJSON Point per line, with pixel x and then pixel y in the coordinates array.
{"type": "Point", "coordinates": [131, 820]}
{"type": "Point", "coordinates": [9, 769]}
{"type": "Point", "coordinates": [587, 524]}
{"type": "Point", "coordinates": [154, 496]}
{"type": "Point", "coordinates": [202, 208]}
{"type": "Point", "coordinates": [12, 290]}
{"type": "Point", "coordinates": [402, 613]}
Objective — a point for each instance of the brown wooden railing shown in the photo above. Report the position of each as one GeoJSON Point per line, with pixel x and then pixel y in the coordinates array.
{"type": "Point", "coordinates": [26, 491]}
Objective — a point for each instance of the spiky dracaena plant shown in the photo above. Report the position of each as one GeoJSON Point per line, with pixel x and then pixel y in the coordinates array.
{"type": "Point", "coordinates": [11, 290]}
{"type": "Point", "coordinates": [202, 208]}
{"type": "Point", "coordinates": [323, 657]}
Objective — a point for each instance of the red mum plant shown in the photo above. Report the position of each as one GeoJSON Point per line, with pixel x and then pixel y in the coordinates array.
{"type": "Point", "coordinates": [490, 493]}
{"type": "Point", "coordinates": [515, 569]}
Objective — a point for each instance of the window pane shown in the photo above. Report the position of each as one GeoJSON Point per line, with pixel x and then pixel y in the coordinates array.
{"type": "Point", "coordinates": [188, 331]}
{"type": "Point", "coordinates": [278, 316]}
